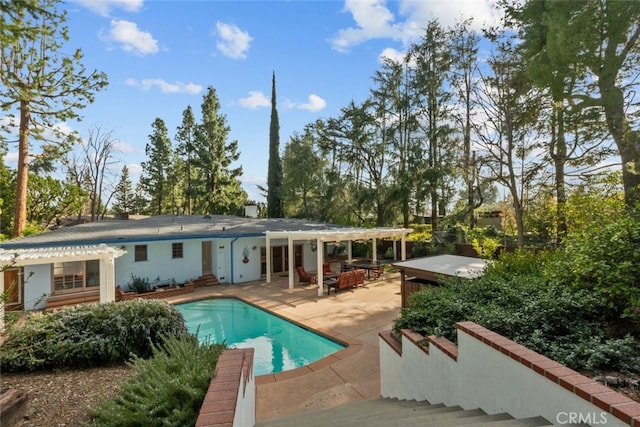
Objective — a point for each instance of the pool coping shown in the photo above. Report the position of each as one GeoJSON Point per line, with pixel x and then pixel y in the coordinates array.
{"type": "Point", "coordinates": [352, 345]}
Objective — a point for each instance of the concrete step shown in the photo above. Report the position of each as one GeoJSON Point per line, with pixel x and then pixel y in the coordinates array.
{"type": "Point", "coordinates": [393, 412]}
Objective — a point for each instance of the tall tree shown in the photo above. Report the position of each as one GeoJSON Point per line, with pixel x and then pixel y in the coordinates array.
{"type": "Point", "coordinates": [185, 137]}
{"type": "Point", "coordinates": [92, 169]}
{"type": "Point", "coordinates": [219, 191]}
{"type": "Point", "coordinates": [302, 183]}
{"type": "Point", "coordinates": [601, 39]}
{"type": "Point", "coordinates": [509, 135]}
{"type": "Point", "coordinates": [40, 82]}
{"type": "Point", "coordinates": [274, 177]}
{"type": "Point", "coordinates": [394, 106]}
{"type": "Point", "coordinates": [465, 72]}
{"type": "Point", "coordinates": [433, 59]}
{"type": "Point", "coordinates": [154, 179]}
{"type": "Point", "coordinates": [123, 198]}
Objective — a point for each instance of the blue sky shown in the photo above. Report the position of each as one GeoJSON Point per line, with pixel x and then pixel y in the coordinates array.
{"type": "Point", "coordinates": [160, 57]}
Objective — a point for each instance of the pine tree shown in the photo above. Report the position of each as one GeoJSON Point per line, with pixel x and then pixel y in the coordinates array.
{"type": "Point", "coordinates": [274, 178]}
{"type": "Point", "coordinates": [185, 136]}
{"type": "Point", "coordinates": [40, 81]}
{"type": "Point", "coordinates": [123, 197]}
{"type": "Point", "coordinates": [154, 179]}
{"type": "Point", "coordinates": [218, 189]}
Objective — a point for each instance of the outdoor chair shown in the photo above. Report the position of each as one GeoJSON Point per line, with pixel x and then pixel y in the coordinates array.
{"type": "Point", "coordinates": [326, 268]}
{"type": "Point", "coordinates": [305, 277]}
{"type": "Point", "coordinates": [359, 277]}
{"type": "Point", "coordinates": [377, 271]}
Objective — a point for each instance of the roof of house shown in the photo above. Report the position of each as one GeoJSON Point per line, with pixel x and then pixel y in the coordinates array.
{"type": "Point", "coordinates": [165, 227]}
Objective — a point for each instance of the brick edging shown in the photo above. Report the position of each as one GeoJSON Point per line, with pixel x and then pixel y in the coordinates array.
{"type": "Point", "coordinates": [617, 404]}
{"type": "Point", "coordinates": [219, 406]}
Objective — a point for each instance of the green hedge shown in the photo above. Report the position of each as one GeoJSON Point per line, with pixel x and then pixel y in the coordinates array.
{"type": "Point", "coordinates": [565, 323]}
{"type": "Point", "coordinates": [89, 335]}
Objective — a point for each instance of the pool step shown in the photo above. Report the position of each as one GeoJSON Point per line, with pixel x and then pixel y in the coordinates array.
{"type": "Point", "coordinates": [393, 412]}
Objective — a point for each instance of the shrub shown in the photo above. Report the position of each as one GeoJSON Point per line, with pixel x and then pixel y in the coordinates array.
{"type": "Point", "coordinates": [167, 389]}
{"type": "Point", "coordinates": [89, 335]}
{"type": "Point", "coordinates": [139, 285]}
{"type": "Point", "coordinates": [605, 260]}
{"type": "Point", "coordinates": [514, 300]}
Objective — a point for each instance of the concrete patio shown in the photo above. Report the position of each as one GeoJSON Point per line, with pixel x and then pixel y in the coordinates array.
{"type": "Point", "coordinates": [354, 317]}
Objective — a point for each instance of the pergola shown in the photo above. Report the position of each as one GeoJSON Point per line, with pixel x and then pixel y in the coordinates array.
{"type": "Point", "coordinates": [337, 235]}
{"type": "Point", "coordinates": [33, 256]}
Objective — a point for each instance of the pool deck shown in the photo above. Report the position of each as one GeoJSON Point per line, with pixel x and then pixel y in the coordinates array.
{"type": "Point", "coordinates": [354, 317]}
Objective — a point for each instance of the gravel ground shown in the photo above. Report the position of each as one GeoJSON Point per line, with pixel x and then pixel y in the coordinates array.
{"type": "Point", "coordinates": [62, 398]}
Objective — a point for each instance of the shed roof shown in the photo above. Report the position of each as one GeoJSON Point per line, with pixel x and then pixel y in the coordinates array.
{"type": "Point", "coordinates": [443, 265]}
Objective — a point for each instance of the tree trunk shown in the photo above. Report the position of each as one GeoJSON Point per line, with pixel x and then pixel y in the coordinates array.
{"type": "Point", "coordinates": [626, 139]}
{"type": "Point", "coordinates": [559, 160]}
{"type": "Point", "coordinates": [20, 217]}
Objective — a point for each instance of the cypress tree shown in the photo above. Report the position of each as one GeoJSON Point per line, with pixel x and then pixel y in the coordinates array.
{"type": "Point", "coordinates": [274, 177]}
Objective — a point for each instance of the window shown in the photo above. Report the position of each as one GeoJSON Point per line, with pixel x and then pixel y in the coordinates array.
{"type": "Point", "coordinates": [140, 253]}
{"type": "Point", "coordinates": [176, 250]}
{"type": "Point", "coordinates": [76, 275]}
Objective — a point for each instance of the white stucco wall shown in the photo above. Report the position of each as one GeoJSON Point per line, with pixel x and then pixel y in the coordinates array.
{"type": "Point", "coordinates": [37, 281]}
{"type": "Point", "coordinates": [482, 377]}
{"type": "Point", "coordinates": [159, 262]}
{"type": "Point", "coordinates": [245, 271]}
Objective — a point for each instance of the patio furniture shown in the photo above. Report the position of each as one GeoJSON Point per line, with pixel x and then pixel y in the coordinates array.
{"type": "Point", "coordinates": [305, 277]}
{"type": "Point", "coordinates": [359, 277]}
{"type": "Point", "coordinates": [346, 280]}
{"type": "Point", "coordinates": [326, 269]}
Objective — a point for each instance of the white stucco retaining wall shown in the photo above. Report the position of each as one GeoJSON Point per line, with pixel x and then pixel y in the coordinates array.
{"type": "Point", "coordinates": [495, 374]}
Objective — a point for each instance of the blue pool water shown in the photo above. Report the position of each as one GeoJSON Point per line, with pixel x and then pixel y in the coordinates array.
{"type": "Point", "coordinates": [279, 345]}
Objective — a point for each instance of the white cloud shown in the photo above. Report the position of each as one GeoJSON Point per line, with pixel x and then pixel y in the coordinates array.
{"type": "Point", "coordinates": [233, 42]}
{"type": "Point", "coordinates": [374, 20]}
{"type": "Point", "coordinates": [135, 169]}
{"type": "Point", "coordinates": [124, 147]}
{"type": "Point", "coordinates": [104, 7]}
{"type": "Point", "coordinates": [165, 87]}
{"type": "Point", "coordinates": [131, 38]}
{"type": "Point", "coordinates": [256, 99]}
{"type": "Point", "coordinates": [314, 103]}
{"type": "Point", "coordinates": [393, 54]}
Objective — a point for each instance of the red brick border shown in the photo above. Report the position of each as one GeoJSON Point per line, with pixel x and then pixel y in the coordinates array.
{"type": "Point", "coordinates": [219, 406]}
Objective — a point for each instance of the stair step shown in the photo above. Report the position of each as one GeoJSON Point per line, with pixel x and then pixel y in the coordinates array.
{"type": "Point", "coordinates": [206, 280]}
{"type": "Point", "coordinates": [385, 412]}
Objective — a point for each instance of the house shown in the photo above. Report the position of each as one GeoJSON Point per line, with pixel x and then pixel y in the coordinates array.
{"type": "Point", "coordinates": [90, 260]}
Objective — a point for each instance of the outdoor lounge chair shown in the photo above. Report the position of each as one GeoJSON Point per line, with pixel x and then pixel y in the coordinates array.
{"type": "Point", "coordinates": [305, 277]}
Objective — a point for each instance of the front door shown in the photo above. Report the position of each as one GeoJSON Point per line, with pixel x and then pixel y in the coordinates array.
{"type": "Point", "coordinates": [207, 261]}
{"type": "Point", "coordinates": [13, 289]}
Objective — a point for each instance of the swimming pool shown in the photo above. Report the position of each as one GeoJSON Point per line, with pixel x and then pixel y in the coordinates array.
{"type": "Point", "coordinates": [279, 344]}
